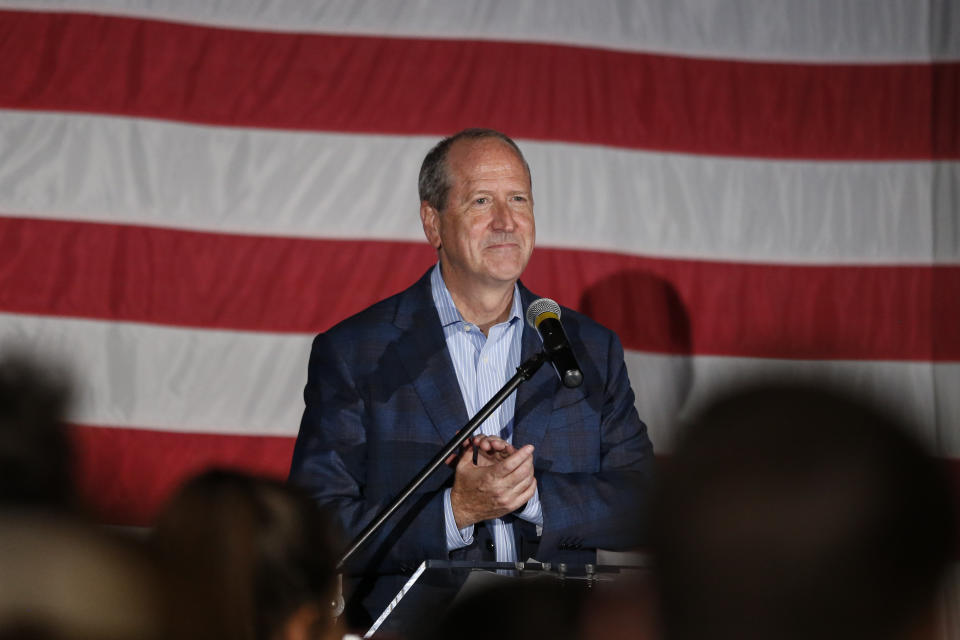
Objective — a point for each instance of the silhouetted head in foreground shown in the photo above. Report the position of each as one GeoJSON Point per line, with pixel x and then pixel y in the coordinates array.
{"type": "Point", "coordinates": [66, 580]}
{"type": "Point", "coordinates": [799, 513]}
{"type": "Point", "coordinates": [255, 559]}
{"type": "Point", "coordinates": [36, 465]}
{"type": "Point", "coordinates": [518, 609]}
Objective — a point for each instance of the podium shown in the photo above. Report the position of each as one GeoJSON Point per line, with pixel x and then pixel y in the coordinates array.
{"type": "Point", "coordinates": [437, 584]}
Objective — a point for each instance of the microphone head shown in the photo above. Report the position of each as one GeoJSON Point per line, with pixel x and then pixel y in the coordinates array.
{"type": "Point", "coordinates": [542, 308]}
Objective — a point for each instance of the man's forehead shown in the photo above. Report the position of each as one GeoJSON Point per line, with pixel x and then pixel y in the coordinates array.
{"type": "Point", "coordinates": [482, 159]}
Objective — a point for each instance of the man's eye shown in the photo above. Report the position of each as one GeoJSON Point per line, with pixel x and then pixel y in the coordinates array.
{"type": "Point", "coordinates": [520, 198]}
{"type": "Point", "coordinates": [481, 200]}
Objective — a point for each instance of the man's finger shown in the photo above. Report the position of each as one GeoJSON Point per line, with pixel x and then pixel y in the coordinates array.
{"type": "Point", "coordinates": [521, 455]}
{"type": "Point", "coordinates": [465, 461]}
{"type": "Point", "coordinates": [491, 443]}
{"type": "Point", "coordinates": [488, 458]}
{"type": "Point", "coordinates": [521, 494]}
{"type": "Point", "coordinates": [520, 475]}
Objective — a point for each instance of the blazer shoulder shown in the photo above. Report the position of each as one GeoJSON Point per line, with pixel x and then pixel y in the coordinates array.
{"type": "Point", "coordinates": [584, 322]}
{"type": "Point", "coordinates": [578, 326]}
{"type": "Point", "coordinates": [374, 316]}
{"type": "Point", "coordinates": [567, 315]}
{"type": "Point", "coordinates": [378, 318]}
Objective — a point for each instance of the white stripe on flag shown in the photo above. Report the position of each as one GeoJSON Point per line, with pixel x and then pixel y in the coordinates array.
{"type": "Point", "coordinates": [812, 30]}
{"type": "Point", "coordinates": [921, 393]}
{"type": "Point", "coordinates": [137, 375]}
{"type": "Point", "coordinates": [148, 172]}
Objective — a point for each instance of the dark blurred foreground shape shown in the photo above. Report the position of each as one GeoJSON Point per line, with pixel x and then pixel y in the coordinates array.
{"type": "Point", "coordinates": [233, 556]}
{"type": "Point", "coordinates": [65, 580]}
{"type": "Point", "coordinates": [250, 558]}
{"type": "Point", "coordinates": [36, 466]}
{"type": "Point", "coordinates": [618, 608]}
{"type": "Point", "coordinates": [516, 609]}
{"type": "Point", "coordinates": [800, 513]}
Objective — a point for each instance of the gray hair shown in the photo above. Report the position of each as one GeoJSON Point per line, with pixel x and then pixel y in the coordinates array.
{"type": "Point", "coordinates": [434, 181]}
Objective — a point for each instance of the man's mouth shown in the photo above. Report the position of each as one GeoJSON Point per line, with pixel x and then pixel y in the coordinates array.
{"type": "Point", "coordinates": [503, 243]}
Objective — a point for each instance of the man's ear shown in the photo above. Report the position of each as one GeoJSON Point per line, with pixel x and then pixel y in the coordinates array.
{"type": "Point", "coordinates": [430, 218]}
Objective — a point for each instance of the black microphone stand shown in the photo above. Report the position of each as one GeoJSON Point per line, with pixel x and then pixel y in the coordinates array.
{"type": "Point", "coordinates": [524, 372]}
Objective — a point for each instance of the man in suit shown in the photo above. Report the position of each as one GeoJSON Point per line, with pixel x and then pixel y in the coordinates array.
{"type": "Point", "coordinates": [388, 387]}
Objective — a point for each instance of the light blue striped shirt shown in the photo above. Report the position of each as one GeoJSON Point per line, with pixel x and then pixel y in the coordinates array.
{"type": "Point", "coordinates": [483, 364]}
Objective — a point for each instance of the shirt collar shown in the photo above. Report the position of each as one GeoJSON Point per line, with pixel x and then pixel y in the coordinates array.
{"type": "Point", "coordinates": [448, 312]}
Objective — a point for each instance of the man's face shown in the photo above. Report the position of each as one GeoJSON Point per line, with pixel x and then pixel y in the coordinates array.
{"type": "Point", "coordinates": [485, 234]}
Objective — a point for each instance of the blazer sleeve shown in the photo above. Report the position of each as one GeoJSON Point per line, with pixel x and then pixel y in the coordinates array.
{"type": "Point", "coordinates": [330, 461]}
{"type": "Point", "coordinates": [602, 509]}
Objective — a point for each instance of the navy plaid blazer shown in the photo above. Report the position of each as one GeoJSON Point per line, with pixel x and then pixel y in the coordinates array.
{"type": "Point", "coordinates": [382, 398]}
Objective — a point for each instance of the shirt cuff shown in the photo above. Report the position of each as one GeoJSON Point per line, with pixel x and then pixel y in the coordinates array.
{"type": "Point", "coordinates": [457, 538]}
{"type": "Point", "coordinates": [533, 512]}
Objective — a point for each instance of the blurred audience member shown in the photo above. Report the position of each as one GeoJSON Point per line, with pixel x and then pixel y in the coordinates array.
{"type": "Point", "coordinates": [35, 457]}
{"type": "Point", "coordinates": [624, 610]}
{"type": "Point", "coordinates": [61, 580]}
{"type": "Point", "coordinates": [798, 513]}
{"type": "Point", "coordinates": [512, 609]}
{"type": "Point", "coordinates": [252, 559]}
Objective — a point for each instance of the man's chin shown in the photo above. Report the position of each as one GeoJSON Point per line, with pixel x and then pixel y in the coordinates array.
{"type": "Point", "coordinates": [506, 274]}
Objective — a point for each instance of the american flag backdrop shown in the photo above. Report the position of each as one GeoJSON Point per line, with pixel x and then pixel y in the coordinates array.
{"type": "Point", "coordinates": [189, 191]}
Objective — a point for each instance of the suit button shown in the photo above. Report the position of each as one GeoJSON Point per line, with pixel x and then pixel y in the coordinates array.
{"type": "Point", "coordinates": [490, 546]}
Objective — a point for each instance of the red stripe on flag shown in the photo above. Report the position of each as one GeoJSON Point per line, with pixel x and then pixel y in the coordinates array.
{"type": "Point", "coordinates": [824, 312]}
{"type": "Point", "coordinates": [138, 67]}
{"type": "Point", "coordinates": [185, 278]}
{"type": "Point", "coordinates": [126, 475]}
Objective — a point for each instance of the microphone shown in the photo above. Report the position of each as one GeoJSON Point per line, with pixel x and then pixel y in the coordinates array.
{"type": "Point", "coordinates": [544, 316]}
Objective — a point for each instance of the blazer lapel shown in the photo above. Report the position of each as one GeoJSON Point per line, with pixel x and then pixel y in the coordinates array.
{"type": "Point", "coordinates": [532, 413]}
{"type": "Point", "coordinates": [538, 397]}
{"type": "Point", "coordinates": [423, 352]}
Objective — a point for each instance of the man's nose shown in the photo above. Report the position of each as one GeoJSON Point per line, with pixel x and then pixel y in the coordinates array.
{"type": "Point", "coordinates": [502, 217]}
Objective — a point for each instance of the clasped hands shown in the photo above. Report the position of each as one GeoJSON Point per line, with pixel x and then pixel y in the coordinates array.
{"type": "Point", "coordinates": [499, 483]}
